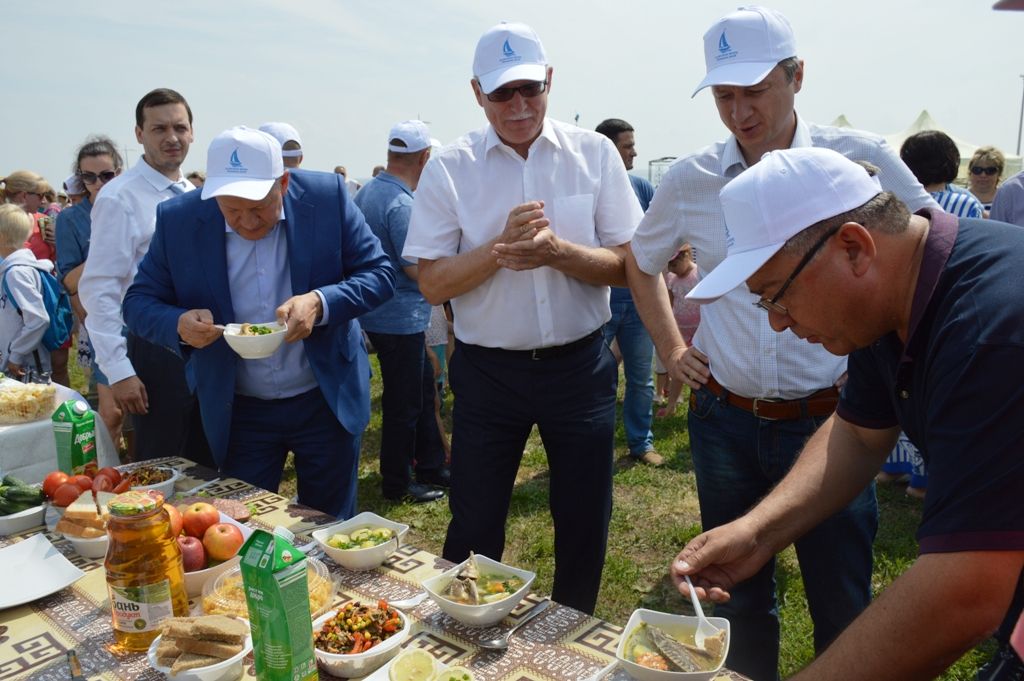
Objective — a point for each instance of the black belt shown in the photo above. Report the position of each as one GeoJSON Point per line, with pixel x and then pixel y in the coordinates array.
{"type": "Point", "coordinates": [549, 352]}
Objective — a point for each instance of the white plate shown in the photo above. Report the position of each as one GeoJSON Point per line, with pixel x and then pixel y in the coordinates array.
{"type": "Point", "coordinates": [45, 571]}
{"type": "Point", "coordinates": [22, 520]}
{"type": "Point", "coordinates": [382, 673]}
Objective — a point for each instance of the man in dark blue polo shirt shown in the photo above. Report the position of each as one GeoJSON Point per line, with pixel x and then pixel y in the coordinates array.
{"type": "Point", "coordinates": [930, 311]}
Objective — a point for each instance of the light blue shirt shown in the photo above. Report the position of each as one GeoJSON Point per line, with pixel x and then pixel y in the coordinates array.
{"type": "Point", "coordinates": [386, 203]}
{"type": "Point", "coordinates": [259, 279]}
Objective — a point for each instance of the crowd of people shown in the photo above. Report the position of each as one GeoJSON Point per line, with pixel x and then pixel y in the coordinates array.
{"type": "Point", "coordinates": [516, 267]}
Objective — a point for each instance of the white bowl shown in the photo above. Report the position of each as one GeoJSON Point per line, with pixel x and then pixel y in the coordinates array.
{"type": "Point", "coordinates": [360, 664]}
{"type": "Point", "coordinates": [195, 580]}
{"type": "Point", "coordinates": [226, 670]}
{"type": "Point", "coordinates": [94, 547]}
{"type": "Point", "coordinates": [479, 615]}
{"type": "Point", "coordinates": [663, 619]}
{"type": "Point", "coordinates": [166, 487]}
{"type": "Point", "coordinates": [22, 520]}
{"type": "Point", "coordinates": [255, 347]}
{"type": "Point", "coordinates": [361, 559]}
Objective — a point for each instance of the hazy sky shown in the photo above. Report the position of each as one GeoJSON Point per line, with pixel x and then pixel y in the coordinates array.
{"type": "Point", "coordinates": [343, 72]}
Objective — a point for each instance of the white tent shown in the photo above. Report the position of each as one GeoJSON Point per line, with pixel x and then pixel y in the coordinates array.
{"type": "Point", "coordinates": [924, 121]}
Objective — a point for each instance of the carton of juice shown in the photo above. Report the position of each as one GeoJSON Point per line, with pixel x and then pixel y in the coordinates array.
{"type": "Point", "coordinates": [74, 428]}
{"type": "Point", "coordinates": [277, 594]}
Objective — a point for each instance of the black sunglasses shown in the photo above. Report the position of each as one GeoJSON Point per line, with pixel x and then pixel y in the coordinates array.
{"type": "Point", "coordinates": [772, 304]}
{"type": "Point", "coordinates": [91, 178]}
{"type": "Point", "coordinates": [978, 170]}
{"type": "Point", "coordinates": [504, 94]}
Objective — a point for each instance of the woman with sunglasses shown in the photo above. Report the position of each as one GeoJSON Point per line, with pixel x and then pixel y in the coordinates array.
{"type": "Point", "coordinates": [25, 188]}
{"type": "Point", "coordinates": [986, 169]}
{"type": "Point", "coordinates": [96, 163]}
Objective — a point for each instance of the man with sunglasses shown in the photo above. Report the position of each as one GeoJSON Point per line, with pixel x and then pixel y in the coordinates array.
{"type": "Point", "coordinates": [522, 225]}
{"type": "Point", "coordinates": [756, 396]}
{"type": "Point", "coordinates": [928, 308]}
{"type": "Point", "coordinates": [147, 380]}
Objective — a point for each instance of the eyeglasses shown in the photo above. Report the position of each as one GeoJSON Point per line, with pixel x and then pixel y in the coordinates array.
{"type": "Point", "coordinates": [772, 305]}
{"type": "Point", "coordinates": [978, 170]}
{"type": "Point", "coordinates": [92, 178]}
{"type": "Point", "coordinates": [504, 94]}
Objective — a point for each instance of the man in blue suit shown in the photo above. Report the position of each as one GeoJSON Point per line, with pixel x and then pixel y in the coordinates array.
{"type": "Point", "coordinates": [274, 244]}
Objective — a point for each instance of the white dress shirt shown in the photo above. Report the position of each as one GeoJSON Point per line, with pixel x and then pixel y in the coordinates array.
{"type": "Point", "coordinates": [123, 222]}
{"type": "Point", "coordinates": [747, 357]}
{"type": "Point", "coordinates": [463, 200]}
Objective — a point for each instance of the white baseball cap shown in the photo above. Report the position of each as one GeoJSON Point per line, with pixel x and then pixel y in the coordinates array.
{"type": "Point", "coordinates": [743, 47]}
{"type": "Point", "coordinates": [786, 192]}
{"type": "Point", "coordinates": [242, 162]}
{"type": "Point", "coordinates": [284, 132]}
{"type": "Point", "coordinates": [414, 134]}
{"type": "Point", "coordinates": [508, 52]}
{"type": "Point", "coordinates": [74, 185]}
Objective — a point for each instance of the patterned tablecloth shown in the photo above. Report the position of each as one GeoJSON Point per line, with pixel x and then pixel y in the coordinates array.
{"type": "Point", "coordinates": [560, 644]}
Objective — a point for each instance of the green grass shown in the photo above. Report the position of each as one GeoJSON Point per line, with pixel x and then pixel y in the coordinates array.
{"type": "Point", "coordinates": [655, 513]}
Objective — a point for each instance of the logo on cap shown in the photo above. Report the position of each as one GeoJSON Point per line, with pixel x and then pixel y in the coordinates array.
{"type": "Point", "coordinates": [510, 54]}
{"type": "Point", "coordinates": [236, 164]}
{"type": "Point", "coordinates": [730, 240]}
{"type": "Point", "coordinates": [725, 50]}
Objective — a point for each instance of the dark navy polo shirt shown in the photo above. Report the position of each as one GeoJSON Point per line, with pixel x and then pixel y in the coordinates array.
{"type": "Point", "coordinates": [957, 387]}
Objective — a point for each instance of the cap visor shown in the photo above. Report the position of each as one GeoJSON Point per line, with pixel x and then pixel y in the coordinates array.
{"type": "Point", "coordinates": [495, 79]}
{"type": "Point", "coordinates": [730, 273]}
{"type": "Point", "coordinates": [254, 190]}
{"type": "Point", "coordinates": [743, 74]}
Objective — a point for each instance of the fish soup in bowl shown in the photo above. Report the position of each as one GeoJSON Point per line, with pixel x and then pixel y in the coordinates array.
{"type": "Point", "coordinates": [480, 591]}
{"type": "Point", "coordinates": [658, 646]}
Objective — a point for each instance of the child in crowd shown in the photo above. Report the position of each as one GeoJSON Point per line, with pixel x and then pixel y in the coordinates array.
{"type": "Point", "coordinates": [23, 320]}
{"type": "Point", "coordinates": [680, 277]}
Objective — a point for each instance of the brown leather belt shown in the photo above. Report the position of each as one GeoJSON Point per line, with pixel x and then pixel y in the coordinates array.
{"type": "Point", "coordinates": [821, 403]}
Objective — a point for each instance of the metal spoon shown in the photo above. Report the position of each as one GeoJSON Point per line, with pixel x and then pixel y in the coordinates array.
{"type": "Point", "coordinates": [501, 642]}
{"type": "Point", "coordinates": [705, 629]}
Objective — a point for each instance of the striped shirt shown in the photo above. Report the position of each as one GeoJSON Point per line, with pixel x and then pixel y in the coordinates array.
{"type": "Point", "coordinates": [958, 202]}
{"type": "Point", "coordinates": [746, 356]}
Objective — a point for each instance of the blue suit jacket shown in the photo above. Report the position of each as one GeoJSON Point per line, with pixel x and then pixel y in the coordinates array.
{"type": "Point", "coordinates": [330, 247]}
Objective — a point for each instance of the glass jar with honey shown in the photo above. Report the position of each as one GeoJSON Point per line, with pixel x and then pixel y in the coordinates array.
{"type": "Point", "coordinates": [145, 574]}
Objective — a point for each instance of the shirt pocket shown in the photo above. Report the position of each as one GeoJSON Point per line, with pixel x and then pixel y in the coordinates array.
{"type": "Point", "coordinates": [573, 219]}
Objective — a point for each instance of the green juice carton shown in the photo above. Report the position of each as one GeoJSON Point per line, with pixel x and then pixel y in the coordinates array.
{"type": "Point", "coordinates": [74, 428]}
{"type": "Point", "coordinates": [277, 594]}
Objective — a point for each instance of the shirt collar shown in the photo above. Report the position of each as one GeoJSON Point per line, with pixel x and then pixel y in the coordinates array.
{"type": "Point", "coordinates": [158, 179]}
{"type": "Point", "coordinates": [547, 132]}
{"type": "Point", "coordinates": [732, 156]}
{"type": "Point", "coordinates": [938, 245]}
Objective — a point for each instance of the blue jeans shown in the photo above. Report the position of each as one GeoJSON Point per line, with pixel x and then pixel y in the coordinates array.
{"type": "Point", "coordinates": [637, 350]}
{"type": "Point", "coordinates": [408, 432]}
{"type": "Point", "coordinates": [738, 458]}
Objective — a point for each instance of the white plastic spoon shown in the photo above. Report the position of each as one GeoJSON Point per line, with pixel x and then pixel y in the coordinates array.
{"type": "Point", "coordinates": [705, 629]}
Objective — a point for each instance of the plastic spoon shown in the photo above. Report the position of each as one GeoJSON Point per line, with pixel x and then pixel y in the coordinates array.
{"type": "Point", "coordinates": [705, 629]}
{"type": "Point", "coordinates": [501, 642]}
{"type": "Point", "coordinates": [409, 602]}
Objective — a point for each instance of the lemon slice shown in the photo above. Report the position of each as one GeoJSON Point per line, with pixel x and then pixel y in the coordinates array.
{"type": "Point", "coordinates": [414, 664]}
{"type": "Point", "coordinates": [453, 674]}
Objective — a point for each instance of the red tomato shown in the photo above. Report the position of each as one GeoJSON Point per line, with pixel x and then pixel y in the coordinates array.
{"type": "Point", "coordinates": [53, 481]}
{"type": "Point", "coordinates": [67, 493]}
{"type": "Point", "coordinates": [124, 485]}
{"type": "Point", "coordinates": [84, 482]}
{"type": "Point", "coordinates": [102, 483]}
{"type": "Point", "coordinates": [112, 473]}
{"type": "Point", "coordinates": [90, 469]}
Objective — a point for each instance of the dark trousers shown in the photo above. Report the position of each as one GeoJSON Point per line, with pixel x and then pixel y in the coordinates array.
{"type": "Point", "coordinates": [499, 397]}
{"type": "Point", "coordinates": [326, 455]}
{"type": "Point", "coordinates": [409, 434]}
{"type": "Point", "coordinates": [737, 459]}
{"type": "Point", "coordinates": [173, 426]}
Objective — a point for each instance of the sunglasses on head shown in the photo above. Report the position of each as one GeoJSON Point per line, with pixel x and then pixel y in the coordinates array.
{"type": "Point", "coordinates": [978, 170]}
{"type": "Point", "coordinates": [504, 94]}
{"type": "Point", "coordinates": [92, 178]}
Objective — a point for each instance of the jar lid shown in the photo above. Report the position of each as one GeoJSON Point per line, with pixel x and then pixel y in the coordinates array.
{"type": "Point", "coordinates": [135, 502]}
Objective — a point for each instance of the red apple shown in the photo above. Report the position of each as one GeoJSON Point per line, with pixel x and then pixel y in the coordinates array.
{"type": "Point", "coordinates": [176, 521]}
{"type": "Point", "coordinates": [198, 517]}
{"type": "Point", "coordinates": [222, 541]}
{"type": "Point", "coordinates": [193, 555]}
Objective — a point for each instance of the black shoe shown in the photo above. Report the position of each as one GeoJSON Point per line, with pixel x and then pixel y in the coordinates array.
{"type": "Point", "coordinates": [441, 477]}
{"type": "Point", "coordinates": [1005, 665]}
{"type": "Point", "coordinates": [417, 493]}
